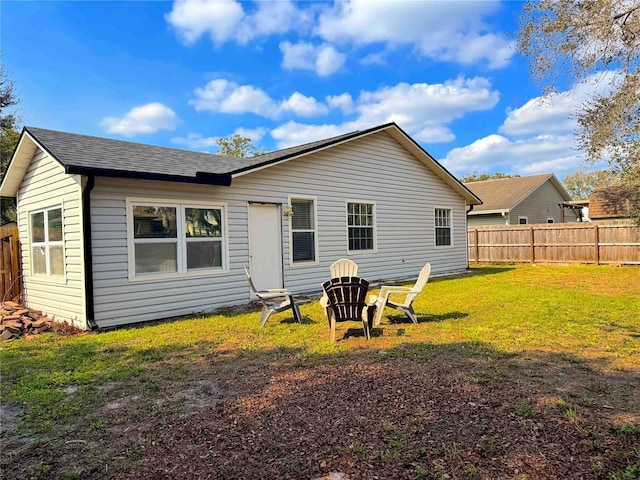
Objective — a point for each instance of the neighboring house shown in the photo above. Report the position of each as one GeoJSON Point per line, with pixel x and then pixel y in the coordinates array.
{"type": "Point", "coordinates": [520, 200]}
{"type": "Point", "coordinates": [116, 232]}
{"type": "Point", "coordinates": [609, 205]}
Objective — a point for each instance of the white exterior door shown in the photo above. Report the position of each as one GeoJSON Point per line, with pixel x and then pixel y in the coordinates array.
{"type": "Point", "coordinates": [265, 246]}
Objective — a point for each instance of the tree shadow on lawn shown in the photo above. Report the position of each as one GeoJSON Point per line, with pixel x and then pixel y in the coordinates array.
{"type": "Point", "coordinates": [417, 410]}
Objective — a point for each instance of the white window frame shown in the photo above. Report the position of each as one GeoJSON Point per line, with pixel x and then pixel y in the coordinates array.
{"type": "Point", "coordinates": [181, 240]}
{"type": "Point", "coordinates": [526, 220]}
{"type": "Point", "coordinates": [47, 244]}
{"type": "Point", "coordinates": [435, 227]}
{"type": "Point", "coordinates": [315, 233]}
{"type": "Point", "coordinates": [374, 226]}
{"type": "Point", "coordinates": [551, 220]}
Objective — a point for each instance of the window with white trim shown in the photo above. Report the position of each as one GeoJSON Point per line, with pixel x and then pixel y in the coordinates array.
{"type": "Point", "coordinates": [303, 230]}
{"type": "Point", "coordinates": [550, 220]}
{"type": "Point", "coordinates": [360, 226]}
{"type": "Point", "coordinates": [523, 220]}
{"type": "Point", "coordinates": [176, 238]}
{"type": "Point", "coordinates": [47, 245]}
{"type": "Point", "coordinates": [442, 218]}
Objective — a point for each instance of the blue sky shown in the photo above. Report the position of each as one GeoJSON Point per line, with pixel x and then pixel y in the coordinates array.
{"type": "Point", "coordinates": [183, 73]}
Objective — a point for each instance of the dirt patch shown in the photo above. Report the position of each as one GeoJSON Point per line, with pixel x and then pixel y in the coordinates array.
{"type": "Point", "coordinates": [414, 412]}
{"type": "Point", "coordinates": [205, 394]}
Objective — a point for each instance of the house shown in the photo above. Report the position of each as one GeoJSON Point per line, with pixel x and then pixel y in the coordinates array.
{"type": "Point", "coordinates": [115, 232]}
{"type": "Point", "coordinates": [520, 200]}
{"type": "Point", "coordinates": [610, 205]}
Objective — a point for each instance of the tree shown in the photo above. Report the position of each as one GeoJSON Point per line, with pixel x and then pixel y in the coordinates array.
{"type": "Point", "coordinates": [581, 183]}
{"type": "Point", "coordinates": [238, 146]}
{"type": "Point", "coordinates": [576, 39]}
{"type": "Point", "coordinates": [8, 138]}
{"type": "Point", "coordinates": [476, 177]}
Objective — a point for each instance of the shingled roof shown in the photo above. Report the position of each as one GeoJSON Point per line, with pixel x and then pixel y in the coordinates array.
{"type": "Point", "coordinates": [507, 193]}
{"type": "Point", "coordinates": [609, 202]}
{"type": "Point", "coordinates": [97, 156]}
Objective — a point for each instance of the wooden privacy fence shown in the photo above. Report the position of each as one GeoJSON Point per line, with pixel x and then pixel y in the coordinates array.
{"type": "Point", "coordinates": [555, 243]}
{"type": "Point", "coordinates": [10, 282]}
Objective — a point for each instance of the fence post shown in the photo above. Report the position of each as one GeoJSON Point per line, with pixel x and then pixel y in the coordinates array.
{"type": "Point", "coordinates": [477, 249]}
{"type": "Point", "coordinates": [533, 250]}
{"type": "Point", "coordinates": [595, 242]}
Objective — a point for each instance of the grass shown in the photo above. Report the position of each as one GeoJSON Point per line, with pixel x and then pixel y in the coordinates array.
{"type": "Point", "coordinates": [578, 315]}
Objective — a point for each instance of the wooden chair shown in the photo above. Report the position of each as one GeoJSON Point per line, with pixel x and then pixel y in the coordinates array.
{"type": "Point", "coordinates": [383, 300]}
{"type": "Point", "coordinates": [273, 301]}
{"type": "Point", "coordinates": [346, 302]}
{"type": "Point", "coordinates": [340, 268]}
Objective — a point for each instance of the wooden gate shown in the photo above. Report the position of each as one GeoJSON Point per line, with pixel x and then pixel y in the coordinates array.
{"type": "Point", "coordinates": [10, 279]}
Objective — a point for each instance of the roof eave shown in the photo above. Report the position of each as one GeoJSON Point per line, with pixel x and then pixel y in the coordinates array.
{"type": "Point", "coordinates": [202, 178]}
{"type": "Point", "coordinates": [501, 211]}
{"type": "Point", "coordinates": [18, 165]}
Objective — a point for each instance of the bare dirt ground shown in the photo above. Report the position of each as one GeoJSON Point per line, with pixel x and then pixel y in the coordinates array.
{"type": "Point", "coordinates": [424, 412]}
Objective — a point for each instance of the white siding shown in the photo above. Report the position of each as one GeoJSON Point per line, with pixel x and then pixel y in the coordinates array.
{"type": "Point", "coordinates": [374, 169]}
{"type": "Point", "coordinates": [46, 185]}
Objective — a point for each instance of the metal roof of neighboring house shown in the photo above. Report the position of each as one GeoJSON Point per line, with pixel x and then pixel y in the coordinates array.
{"type": "Point", "coordinates": [502, 194]}
{"type": "Point", "coordinates": [608, 202]}
{"type": "Point", "coordinates": [89, 155]}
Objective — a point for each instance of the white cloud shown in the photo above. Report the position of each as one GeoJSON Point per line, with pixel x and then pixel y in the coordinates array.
{"type": "Point", "coordinates": [496, 153]}
{"type": "Point", "coordinates": [343, 102]}
{"type": "Point", "coordinates": [193, 18]}
{"type": "Point", "coordinates": [438, 30]}
{"type": "Point", "coordinates": [323, 59]}
{"type": "Point", "coordinates": [421, 109]}
{"type": "Point", "coordinates": [303, 106]}
{"type": "Point", "coordinates": [148, 118]}
{"type": "Point", "coordinates": [228, 97]}
{"type": "Point", "coordinates": [224, 96]}
{"type": "Point", "coordinates": [556, 113]}
{"type": "Point", "coordinates": [196, 141]}
{"type": "Point", "coordinates": [255, 134]}
{"type": "Point", "coordinates": [294, 133]}
{"type": "Point", "coordinates": [227, 20]}
{"type": "Point", "coordinates": [379, 58]}
{"type": "Point", "coordinates": [416, 105]}
{"type": "Point", "coordinates": [434, 134]}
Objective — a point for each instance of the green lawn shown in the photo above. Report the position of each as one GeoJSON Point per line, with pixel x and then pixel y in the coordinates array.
{"type": "Point", "coordinates": [584, 316]}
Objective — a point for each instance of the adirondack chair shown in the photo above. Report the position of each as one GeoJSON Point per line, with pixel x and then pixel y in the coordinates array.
{"type": "Point", "coordinates": [343, 268]}
{"type": "Point", "coordinates": [346, 302]}
{"type": "Point", "coordinates": [340, 268]}
{"type": "Point", "coordinates": [383, 300]}
{"type": "Point", "coordinates": [274, 301]}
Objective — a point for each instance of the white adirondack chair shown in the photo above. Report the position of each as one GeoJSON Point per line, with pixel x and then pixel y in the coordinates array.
{"type": "Point", "coordinates": [340, 268]}
{"type": "Point", "coordinates": [410, 294]}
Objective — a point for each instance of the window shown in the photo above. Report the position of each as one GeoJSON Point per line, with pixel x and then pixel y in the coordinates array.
{"type": "Point", "coordinates": [443, 227]}
{"type": "Point", "coordinates": [176, 238]}
{"type": "Point", "coordinates": [550, 220]}
{"type": "Point", "coordinates": [47, 246]}
{"type": "Point", "coordinates": [360, 226]}
{"type": "Point", "coordinates": [303, 230]}
{"type": "Point", "coordinates": [523, 220]}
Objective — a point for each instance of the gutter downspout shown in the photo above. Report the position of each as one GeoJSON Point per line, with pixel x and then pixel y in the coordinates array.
{"type": "Point", "coordinates": [467, 219]}
{"type": "Point", "coordinates": [88, 254]}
